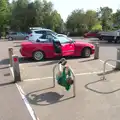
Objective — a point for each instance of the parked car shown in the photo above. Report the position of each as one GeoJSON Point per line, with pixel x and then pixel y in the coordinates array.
{"type": "Point", "coordinates": [111, 36]}
{"type": "Point", "coordinates": [38, 32]}
{"type": "Point", "coordinates": [51, 46]}
{"type": "Point", "coordinates": [16, 36]}
{"type": "Point", "coordinates": [92, 34]}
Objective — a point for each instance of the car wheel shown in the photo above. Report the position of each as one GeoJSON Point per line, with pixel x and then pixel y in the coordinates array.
{"type": "Point", "coordinates": [10, 38]}
{"type": "Point", "coordinates": [38, 55]}
{"type": "Point", "coordinates": [117, 40]}
{"type": "Point", "coordinates": [109, 41]}
{"type": "Point", "coordinates": [86, 52]}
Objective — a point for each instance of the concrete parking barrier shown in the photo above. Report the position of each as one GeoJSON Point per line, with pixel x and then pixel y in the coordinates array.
{"type": "Point", "coordinates": [118, 59]}
{"type": "Point", "coordinates": [96, 55]}
{"type": "Point", "coordinates": [10, 52]}
{"type": "Point", "coordinates": [16, 69]}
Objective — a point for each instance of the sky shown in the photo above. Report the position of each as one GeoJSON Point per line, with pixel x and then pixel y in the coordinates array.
{"type": "Point", "coordinates": [65, 7]}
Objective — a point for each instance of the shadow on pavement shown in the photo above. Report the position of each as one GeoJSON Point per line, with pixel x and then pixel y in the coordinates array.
{"type": "Point", "coordinates": [47, 98]}
{"type": "Point", "coordinates": [8, 83]}
{"type": "Point", "coordinates": [1, 68]}
{"type": "Point", "coordinates": [99, 92]}
{"type": "Point", "coordinates": [87, 60]}
{"type": "Point", "coordinates": [49, 61]}
{"type": "Point", "coordinates": [109, 72]}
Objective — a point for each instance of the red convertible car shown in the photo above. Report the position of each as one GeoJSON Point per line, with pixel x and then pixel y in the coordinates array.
{"type": "Point", "coordinates": [50, 46]}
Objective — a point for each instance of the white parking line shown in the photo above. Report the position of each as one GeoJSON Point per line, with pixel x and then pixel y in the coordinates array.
{"type": "Point", "coordinates": [108, 64]}
{"type": "Point", "coordinates": [79, 74]}
{"type": "Point", "coordinates": [22, 93]}
{"type": "Point", "coordinates": [31, 111]}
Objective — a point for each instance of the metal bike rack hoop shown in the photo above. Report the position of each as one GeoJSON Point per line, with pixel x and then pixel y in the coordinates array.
{"type": "Point", "coordinates": [104, 66]}
{"type": "Point", "coordinates": [59, 65]}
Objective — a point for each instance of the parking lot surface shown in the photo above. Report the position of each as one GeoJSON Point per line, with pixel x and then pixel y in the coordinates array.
{"type": "Point", "coordinates": [80, 66]}
{"type": "Point", "coordinates": [95, 99]}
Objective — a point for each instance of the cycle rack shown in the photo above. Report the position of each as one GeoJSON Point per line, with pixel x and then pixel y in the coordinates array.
{"type": "Point", "coordinates": [104, 66]}
{"type": "Point", "coordinates": [61, 63]}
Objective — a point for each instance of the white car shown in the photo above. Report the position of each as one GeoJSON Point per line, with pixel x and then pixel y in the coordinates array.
{"type": "Point", "coordinates": [36, 33]}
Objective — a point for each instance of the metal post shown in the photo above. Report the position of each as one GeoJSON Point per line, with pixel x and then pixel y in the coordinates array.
{"type": "Point", "coordinates": [118, 58]}
{"type": "Point", "coordinates": [10, 52]}
{"type": "Point", "coordinates": [96, 55]}
{"type": "Point", "coordinates": [16, 69]}
{"type": "Point", "coordinates": [54, 75]}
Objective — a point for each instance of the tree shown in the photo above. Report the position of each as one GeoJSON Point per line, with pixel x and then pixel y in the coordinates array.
{"type": "Point", "coordinates": [116, 19]}
{"type": "Point", "coordinates": [56, 21]}
{"type": "Point", "coordinates": [105, 15]}
{"type": "Point", "coordinates": [4, 14]}
{"type": "Point", "coordinates": [91, 19]}
{"type": "Point", "coordinates": [19, 16]}
{"type": "Point", "coordinates": [76, 20]}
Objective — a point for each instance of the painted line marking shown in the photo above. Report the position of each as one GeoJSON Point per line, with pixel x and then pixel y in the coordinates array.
{"type": "Point", "coordinates": [22, 93]}
{"type": "Point", "coordinates": [108, 64]}
{"type": "Point", "coordinates": [31, 111]}
{"type": "Point", "coordinates": [79, 74]}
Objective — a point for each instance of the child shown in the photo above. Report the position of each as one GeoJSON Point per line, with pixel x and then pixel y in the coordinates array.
{"type": "Point", "coordinates": [64, 77]}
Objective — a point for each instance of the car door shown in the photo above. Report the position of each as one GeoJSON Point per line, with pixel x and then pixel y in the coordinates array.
{"type": "Point", "coordinates": [68, 49]}
{"type": "Point", "coordinates": [46, 45]}
{"type": "Point", "coordinates": [18, 36]}
{"type": "Point", "coordinates": [21, 36]}
{"type": "Point", "coordinates": [67, 46]}
{"type": "Point", "coordinates": [13, 35]}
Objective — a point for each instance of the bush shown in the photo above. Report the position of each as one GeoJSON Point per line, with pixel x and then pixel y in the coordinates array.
{"type": "Point", "coordinates": [97, 27]}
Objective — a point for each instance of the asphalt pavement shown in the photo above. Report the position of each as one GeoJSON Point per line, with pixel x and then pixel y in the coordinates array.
{"type": "Point", "coordinates": [95, 99]}
{"type": "Point", "coordinates": [12, 106]}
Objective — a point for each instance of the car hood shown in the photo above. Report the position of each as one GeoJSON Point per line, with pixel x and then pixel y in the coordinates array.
{"type": "Point", "coordinates": [84, 44]}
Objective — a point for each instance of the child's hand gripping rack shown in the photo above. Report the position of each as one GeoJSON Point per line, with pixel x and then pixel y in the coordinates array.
{"type": "Point", "coordinates": [60, 65]}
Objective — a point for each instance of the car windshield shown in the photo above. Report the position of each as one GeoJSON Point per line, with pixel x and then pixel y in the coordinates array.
{"type": "Point", "coordinates": [64, 40]}
{"type": "Point", "coordinates": [61, 39]}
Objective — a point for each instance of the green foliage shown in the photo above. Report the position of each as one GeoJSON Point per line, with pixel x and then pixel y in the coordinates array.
{"type": "Point", "coordinates": [25, 14]}
{"type": "Point", "coordinates": [4, 14]}
{"type": "Point", "coordinates": [105, 14]}
{"type": "Point", "coordinates": [80, 21]}
{"type": "Point", "coordinates": [22, 14]}
{"type": "Point", "coordinates": [97, 27]}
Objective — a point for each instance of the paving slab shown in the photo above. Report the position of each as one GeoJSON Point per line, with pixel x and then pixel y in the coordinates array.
{"type": "Point", "coordinates": [44, 69]}
{"type": "Point", "coordinates": [95, 99]}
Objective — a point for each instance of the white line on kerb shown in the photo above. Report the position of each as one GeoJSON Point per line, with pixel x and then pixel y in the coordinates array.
{"type": "Point", "coordinates": [31, 111]}
{"type": "Point", "coordinates": [22, 93]}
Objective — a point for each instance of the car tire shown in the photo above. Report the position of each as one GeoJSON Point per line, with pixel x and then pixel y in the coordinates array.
{"type": "Point", "coordinates": [117, 40]}
{"type": "Point", "coordinates": [109, 41]}
{"type": "Point", "coordinates": [38, 56]}
{"type": "Point", "coordinates": [10, 38]}
{"type": "Point", "coordinates": [86, 52]}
